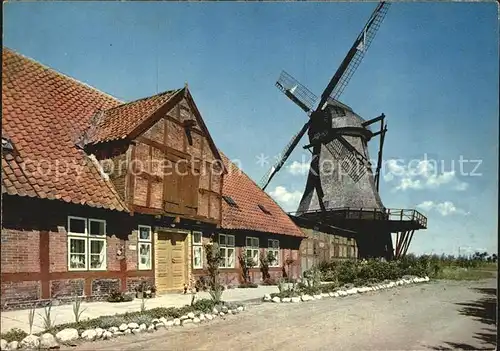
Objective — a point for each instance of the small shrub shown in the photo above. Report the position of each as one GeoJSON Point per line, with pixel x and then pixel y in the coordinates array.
{"type": "Point", "coordinates": [31, 317]}
{"type": "Point", "coordinates": [216, 294]}
{"type": "Point", "coordinates": [202, 283]}
{"type": "Point", "coordinates": [15, 334]}
{"type": "Point", "coordinates": [265, 261]}
{"type": "Point", "coordinates": [143, 303]}
{"type": "Point", "coordinates": [111, 321]}
{"type": "Point", "coordinates": [269, 281]}
{"type": "Point", "coordinates": [246, 263]}
{"type": "Point", "coordinates": [204, 305]}
{"type": "Point", "coordinates": [214, 258]}
{"type": "Point", "coordinates": [326, 288]}
{"type": "Point", "coordinates": [248, 285]}
{"type": "Point", "coordinates": [46, 317]}
{"type": "Point", "coordinates": [143, 318]}
{"type": "Point", "coordinates": [77, 310]}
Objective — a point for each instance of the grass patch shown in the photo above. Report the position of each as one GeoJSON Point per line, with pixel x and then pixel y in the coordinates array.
{"type": "Point", "coordinates": [493, 267]}
{"type": "Point", "coordinates": [459, 273]}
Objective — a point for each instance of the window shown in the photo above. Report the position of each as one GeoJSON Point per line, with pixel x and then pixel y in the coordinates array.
{"type": "Point", "coordinates": [274, 250]}
{"type": "Point", "coordinates": [86, 244]}
{"type": "Point", "coordinates": [264, 209]}
{"type": "Point", "coordinates": [252, 249]}
{"type": "Point", "coordinates": [226, 248]}
{"type": "Point", "coordinates": [144, 243]}
{"type": "Point", "coordinates": [229, 200]}
{"type": "Point", "coordinates": [7, 144]}
{"type": "Point", "coordinates": [197, 250]}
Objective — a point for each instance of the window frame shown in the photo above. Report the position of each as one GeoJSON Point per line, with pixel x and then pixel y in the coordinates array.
{"type": "Point", "coordinates": [98, 221]}
{"type": "Point", "coordinates": [276, 250]}
{"type": "Point", "coordinates": [194, 246]}
{"type": "Point", "coordinates": [75, 233]}
{"type": "Point", "coordinates": [105, 248]}
{"type": "Point", "coordinates": [147, 242]}
{"type": "Point", "coordinates": [253, 248]}
{"type": "Point", "coordinates": [226, 247]}
{"type": "Point", "coordinates": [85, 254]}
{"type": "Point", "coordinates": [87, 238]}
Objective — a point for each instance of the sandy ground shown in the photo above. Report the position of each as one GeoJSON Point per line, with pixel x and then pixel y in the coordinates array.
{"type": "Point", "coordinates": [437, 315]}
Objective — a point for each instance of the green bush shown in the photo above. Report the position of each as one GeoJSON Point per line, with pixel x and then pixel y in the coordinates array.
{"type": "Point", "coordinates": [204, 305]}
{"type": "Point", "coordinates": [118, 296]}
{"type": "Point", "coordinates": [14, 334]}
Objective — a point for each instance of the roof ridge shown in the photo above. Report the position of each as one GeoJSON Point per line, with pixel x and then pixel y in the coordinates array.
{"type": "Point", "coordinates": [143, 98]}
{"type": "Point", "coordinates": [60, 73]}
{"type": "Point", "coordinates": [254, 183]}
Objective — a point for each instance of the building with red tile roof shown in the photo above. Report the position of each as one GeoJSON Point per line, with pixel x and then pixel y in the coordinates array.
{"type": "Point", "coordinates": [86, 210]}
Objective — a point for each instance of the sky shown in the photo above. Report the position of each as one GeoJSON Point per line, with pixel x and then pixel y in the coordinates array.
{"type": "Point", "coordinates": [432, 69]}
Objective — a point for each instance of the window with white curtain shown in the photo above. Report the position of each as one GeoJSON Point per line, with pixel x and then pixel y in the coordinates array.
{"type": "Point", "coordinates": [227, 250]}
{"type": "Point", "coordinates": [86, 244]}
{"type": "Point", "coordinates": [252, 249]}
{"type": "Point", "coordinates": [197, 244]}
{"type": "Point", "coordinates": [273, 247]}
{"type": "Point", "coordinates": [144, 247]}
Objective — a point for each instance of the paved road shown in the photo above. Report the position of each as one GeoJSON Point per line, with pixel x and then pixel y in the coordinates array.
{"type": "Point", "coordinates": [437, 315]}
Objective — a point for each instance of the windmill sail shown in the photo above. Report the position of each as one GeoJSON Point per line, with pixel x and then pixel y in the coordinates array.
{"type": "Point", "coordinates": [296, 92]}
{"type": "Point", "coordinates": [284, 156]}
{"type": "Point", "coordinates": [354, 55]}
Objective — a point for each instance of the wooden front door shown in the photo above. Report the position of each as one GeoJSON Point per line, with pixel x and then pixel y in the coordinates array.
{"type": "Point", "coordinates": [170, 261]}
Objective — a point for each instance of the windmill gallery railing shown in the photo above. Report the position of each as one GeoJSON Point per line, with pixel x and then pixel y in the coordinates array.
{"type": "Point", "coordinates": [374, 214]}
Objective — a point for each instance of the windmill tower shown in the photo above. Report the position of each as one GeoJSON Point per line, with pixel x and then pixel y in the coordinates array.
{"type": "Point", "coordinates": [342, 189]}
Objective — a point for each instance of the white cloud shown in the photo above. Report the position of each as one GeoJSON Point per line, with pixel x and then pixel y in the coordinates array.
{"type": "Point", "coordinates": [298, 168]}
{"type": "Point", "coordinates": [288, 200]}
{"type": "Point", "coordinates": [420, 174]}
{"type": "Point", "coordinates": [445, 208]}
{"type": "Point", "coordinates": [426, 205]}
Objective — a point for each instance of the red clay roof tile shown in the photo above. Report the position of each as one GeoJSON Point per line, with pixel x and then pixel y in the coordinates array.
{"type": "Point", "coordinates": [248, 196]}
{"type": "Point", "coordinates": [118, 122]}
{"type": "Point", "coordinates": [44, 113]}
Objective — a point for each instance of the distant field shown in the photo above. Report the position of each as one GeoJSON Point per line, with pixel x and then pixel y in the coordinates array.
{"type": "Point", "coordinates": [459, 273]}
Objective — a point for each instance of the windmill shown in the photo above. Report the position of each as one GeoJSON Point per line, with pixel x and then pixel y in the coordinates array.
{"type": "Point", "coordinates": [341, 188]}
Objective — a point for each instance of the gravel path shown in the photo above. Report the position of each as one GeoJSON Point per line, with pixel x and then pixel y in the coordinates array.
{"type": "Point", "coordinates": [437, 315]}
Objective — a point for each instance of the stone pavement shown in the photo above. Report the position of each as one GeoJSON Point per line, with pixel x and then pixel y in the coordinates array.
{"type": "Point", "coordinates": [64, 313]}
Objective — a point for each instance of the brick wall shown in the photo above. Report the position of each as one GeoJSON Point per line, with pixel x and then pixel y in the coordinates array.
{"type": "Point", "coordinates": [67, 288]}
{"type": "Point", "coordinates": [233, 276]}
{"type": "Point", "coordinates": [104, 286]}
{"type": "Point", "coordinates": [132, 255]}
{"type": "Point", "coordinates": [34, 263]}
{"type": "Point", "coordinates": [133, 282]}
{"type": "Point", "coordinates": [58, 253]}
{"type": "Point", "coordinates": [20, 293]}
{"type": "Point", "coordinates": [20, 251]}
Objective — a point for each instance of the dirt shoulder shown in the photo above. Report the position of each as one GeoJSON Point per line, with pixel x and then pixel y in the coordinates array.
{"type": "Point", "coordinates": [437, 315]}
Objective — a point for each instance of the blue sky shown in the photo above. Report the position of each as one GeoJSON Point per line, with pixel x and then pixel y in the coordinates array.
{"type": "Point", "coordinates": [432, 69]}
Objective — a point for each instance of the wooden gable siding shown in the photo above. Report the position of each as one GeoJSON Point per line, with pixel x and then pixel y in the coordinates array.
{"type": "Point", "coordinates": [173, 172]}
{"type": "Point", "coordinates": [114, 160]}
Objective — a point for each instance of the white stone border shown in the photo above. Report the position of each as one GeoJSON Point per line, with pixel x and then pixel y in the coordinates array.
{"type": "Point", "coordinates": [340, 293]}
{"type": "Point", "coordinates": [69, 336]}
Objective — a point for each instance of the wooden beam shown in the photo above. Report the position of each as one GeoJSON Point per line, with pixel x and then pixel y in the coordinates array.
{"type": "Point", "coordinates": [156, 211]}
{"type": "Point", "coordinates": [408, 243]}
{"type": "Point", "coordinates": [148, 190]}
{"type": "Point", "coordinates": [373, 120]}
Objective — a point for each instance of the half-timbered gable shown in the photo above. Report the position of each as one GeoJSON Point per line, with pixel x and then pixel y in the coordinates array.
{"type": "Point", "coordinates": [166, 162]}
